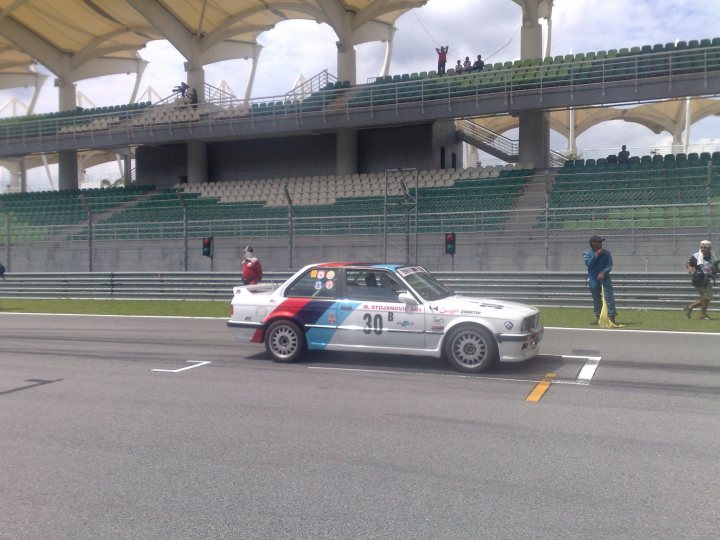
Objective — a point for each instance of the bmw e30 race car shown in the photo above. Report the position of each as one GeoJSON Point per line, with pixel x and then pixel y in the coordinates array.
{"type": "Point", "coordinates": [382, 308]}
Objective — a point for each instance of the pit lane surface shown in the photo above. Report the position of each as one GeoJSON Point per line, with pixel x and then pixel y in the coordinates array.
{"type": "Point", "coordinates": [95, 444]}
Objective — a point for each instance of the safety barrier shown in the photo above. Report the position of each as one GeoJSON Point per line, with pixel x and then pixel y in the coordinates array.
{"type": "Point", "coordinates": [632, 290]}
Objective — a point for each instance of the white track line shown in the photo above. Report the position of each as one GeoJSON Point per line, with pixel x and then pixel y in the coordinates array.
{"type": "Point", "coordinates": [197, 363]}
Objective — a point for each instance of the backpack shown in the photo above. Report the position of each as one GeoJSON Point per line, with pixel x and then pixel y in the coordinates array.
{"type": "Point", "coordinates": [699, 279]}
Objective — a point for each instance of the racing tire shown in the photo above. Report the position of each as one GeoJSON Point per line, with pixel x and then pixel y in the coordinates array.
{"type": "Point", "coordinates": [284, 341]}
{"type": "Point", "coordinates": [470, 349]}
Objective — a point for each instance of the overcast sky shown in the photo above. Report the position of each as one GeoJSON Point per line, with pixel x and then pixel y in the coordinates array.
{"type": "Point", "coordinates": [468, 27]}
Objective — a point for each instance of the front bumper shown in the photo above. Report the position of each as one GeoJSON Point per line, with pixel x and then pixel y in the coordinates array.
{"type": "Point", "coordinates": [519, 347]}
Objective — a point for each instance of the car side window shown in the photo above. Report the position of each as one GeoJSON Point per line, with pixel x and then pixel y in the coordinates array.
{"type": "Point", "coordinates": [315, 283]}
{"type": "Point", "coordinates": [371, 284]}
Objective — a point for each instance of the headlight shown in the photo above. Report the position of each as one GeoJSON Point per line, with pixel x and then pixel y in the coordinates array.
{"type": "Point", "coordinates": [530, 322]}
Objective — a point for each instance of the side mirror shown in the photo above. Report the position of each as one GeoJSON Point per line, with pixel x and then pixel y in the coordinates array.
{"type": "Point", "coordinates": [407, 298]}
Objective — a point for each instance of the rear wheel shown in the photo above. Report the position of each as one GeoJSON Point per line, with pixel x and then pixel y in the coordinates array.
{"type": "Point", "coordinates": [471, 349]}
{"type": "Point", "coordinates": [284, 341]}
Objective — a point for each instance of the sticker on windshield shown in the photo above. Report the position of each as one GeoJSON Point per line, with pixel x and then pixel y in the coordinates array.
{"type": "Point", "coordinates": [410, 270]}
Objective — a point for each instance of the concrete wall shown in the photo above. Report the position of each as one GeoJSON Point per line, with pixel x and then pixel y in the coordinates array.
{"type": "Point", "coordinates": [395, 148]}
{"type": "Point", "coordinates": [311, 155]}
{"type": "Point", "coordinates": [415, 146]}
{"type": "Point", "coordinates": [642, 254]}
{"type": "Point", "coordinates": [162, 166]}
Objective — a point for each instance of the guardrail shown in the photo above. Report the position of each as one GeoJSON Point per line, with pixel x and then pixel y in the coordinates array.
{"type": "Point", "coordinates": [632, 290]}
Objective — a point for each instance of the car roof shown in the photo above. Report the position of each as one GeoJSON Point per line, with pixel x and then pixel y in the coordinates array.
{"type": "Point", "coordinates": [387, 266]}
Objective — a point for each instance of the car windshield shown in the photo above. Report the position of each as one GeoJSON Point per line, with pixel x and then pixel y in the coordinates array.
{"type": "Point", "coordinates": [424, 284]}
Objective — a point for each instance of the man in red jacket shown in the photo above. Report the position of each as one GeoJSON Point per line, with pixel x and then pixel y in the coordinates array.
{"type": "Point", "coordinates": [251, 267]}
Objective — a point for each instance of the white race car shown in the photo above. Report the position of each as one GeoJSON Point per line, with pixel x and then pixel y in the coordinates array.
{"type": "Point", "coordinates": [382, 308]}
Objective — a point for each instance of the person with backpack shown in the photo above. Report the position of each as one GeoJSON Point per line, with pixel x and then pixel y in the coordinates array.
{"type": "Point", "coordinates": [703, 268]}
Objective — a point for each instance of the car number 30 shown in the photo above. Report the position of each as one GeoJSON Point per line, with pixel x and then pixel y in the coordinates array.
{"type": "Point", "coordinates": [373, 324]}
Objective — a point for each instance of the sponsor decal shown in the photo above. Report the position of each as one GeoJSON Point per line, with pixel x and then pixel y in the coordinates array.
{"type": "Point", "coordinates": [318, 285]}
{"type": "Point", "coordinates": [405, 323]}
{"type": "Point", "coordinates": [330, 274]}
{"type": "Point", "coordinates": [439, 320]}
{"type": "Point", "coordinates": [465, 312]}
{"type": "Point", "coordinates": [329, 284]}
{"type": "Point", "coordinates": [410, 270]}
{"type": "Point", "coordinates": [444, 310]}
{"type": "Point", "coordinates": [437, 328]}
{"type": "Point", "coordinates": [321, 274]}
{"type": "Point", "coordinates": [260, 311]}
{"type": "Point", "coordinates": [313, 273]}
{"type": "Point", "coordinates": [331, 318]}
{"type": "Point", "coordinates": [509, 325]}
{"type": "Point", "coordinates": [391, 307]}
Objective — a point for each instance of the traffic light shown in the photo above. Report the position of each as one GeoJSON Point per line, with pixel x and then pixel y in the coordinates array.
{"type": "Point", "coordinates": [208, 247]}
{"type": "Point", "coordinates": [450, 243]}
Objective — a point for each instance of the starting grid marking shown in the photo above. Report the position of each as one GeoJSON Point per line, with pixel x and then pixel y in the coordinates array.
{"type": "Point", "coordinates": [197, 363]}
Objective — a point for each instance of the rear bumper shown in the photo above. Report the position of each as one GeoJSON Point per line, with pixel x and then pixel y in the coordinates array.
{"type": "Point", "coordinates": [244, 331]}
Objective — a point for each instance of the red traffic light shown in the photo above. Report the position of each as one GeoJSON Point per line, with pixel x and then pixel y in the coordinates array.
{"type": "Point", "coordinates": [450, 243]}
{"type": "Point", "coordinates": [207, 246]}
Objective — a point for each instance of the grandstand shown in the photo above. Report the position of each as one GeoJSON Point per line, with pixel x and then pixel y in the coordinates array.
{"type": "Point", "coordinates": [337, 168]}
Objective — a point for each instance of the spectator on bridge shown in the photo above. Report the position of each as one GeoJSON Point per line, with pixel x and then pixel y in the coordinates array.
{"type": "Point", "coordinates": [181, 89]}
{"type": "Point", "coordinates": [623, 155]}
{"type": "Point", "coordinates": [599, 264]}
{"type": "Point", "coordinates": [2, 272]}
{"type": "Point", "coordinates": [478, 65]}
{"type": "Point", "coordinates": [193, 98]}
{"type": "Point", "coordinates": [467, 65]}
{"type": "Point", "coordinates": [705, 262]}
{"type": "Point", "coordinates": [251, 267]}
{"type": "Point", "coordinates": [458, 68]}
{"type": "Point", "coordinates": [442, 59]}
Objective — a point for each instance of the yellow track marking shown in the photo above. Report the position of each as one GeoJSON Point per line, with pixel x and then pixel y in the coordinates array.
{"type": "Point", "coordinates": [541, 387]}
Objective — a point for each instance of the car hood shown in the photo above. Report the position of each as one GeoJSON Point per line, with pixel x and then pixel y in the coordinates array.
{"type": "Point", "coordinates": [485, 307]}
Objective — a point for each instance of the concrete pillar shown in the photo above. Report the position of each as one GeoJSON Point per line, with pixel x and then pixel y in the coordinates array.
{"type": "Point", "coordinates": [127, 169]}
{"type": "Point", "coordinates": [534, 139]}
{"type": "Point", "coordinates": [346, 61]}
{"type": "Point", "coordinates": [445, 141]}
{"type": "Point", "coordinates": [197, 162]}
{"type": "Point", "coordinates": [67, 159]}
{"type": "Point", "coordinates": [67, 170]}
{"type": "Point", "coordinates": [196, 80]}
{"type": "Point", "coordinates": [23, 176]}
{"type": "Point", "coordinates": [346, 152]}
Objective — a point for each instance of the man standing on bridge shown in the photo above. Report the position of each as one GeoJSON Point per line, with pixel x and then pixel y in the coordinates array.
{"type": "Point", "coordinates": [599, 264]}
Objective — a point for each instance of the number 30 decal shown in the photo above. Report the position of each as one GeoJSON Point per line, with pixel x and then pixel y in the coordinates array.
{"type": "Point", "coordinates": [373, 324]}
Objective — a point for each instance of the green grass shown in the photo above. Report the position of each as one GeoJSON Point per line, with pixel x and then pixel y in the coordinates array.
{"type": "Point", "coordinates": [633, 319]}
{"type": "Point", "coordinates": [177, 308]}
{"type": "Point", "coordinates": [674, 320]}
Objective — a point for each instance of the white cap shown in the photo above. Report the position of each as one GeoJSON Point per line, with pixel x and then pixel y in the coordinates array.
{"type": "Point", "coordinates": [705, 243]}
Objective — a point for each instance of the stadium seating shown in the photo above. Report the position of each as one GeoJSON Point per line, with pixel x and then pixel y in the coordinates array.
{"type": "Point", "coordinates": [39, 214]}
{"type": "Point", "coordinates": [649, 191]}
{"type": "Point", "coordinates": [348, 204]}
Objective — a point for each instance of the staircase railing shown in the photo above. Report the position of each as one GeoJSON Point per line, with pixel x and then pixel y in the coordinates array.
{"type": "Point", "coordinates": [505, 145]}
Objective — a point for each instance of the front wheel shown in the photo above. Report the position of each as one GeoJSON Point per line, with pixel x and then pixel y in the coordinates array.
{"type": "Point", "coordinates": [284, 341]}
{"type": "Point", "coordinates": [471, 349]}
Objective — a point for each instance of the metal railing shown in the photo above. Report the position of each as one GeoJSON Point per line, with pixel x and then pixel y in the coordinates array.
{"type": "Point", "coordinates": [507, 83]}
{"type": "Point", "coordinates": [659, 290]}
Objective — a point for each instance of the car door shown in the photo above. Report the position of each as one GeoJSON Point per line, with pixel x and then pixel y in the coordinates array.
{"type": "Point", "coordinates": [312, 301]}
{"type": "Point", "coordinates": [376, 319]}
